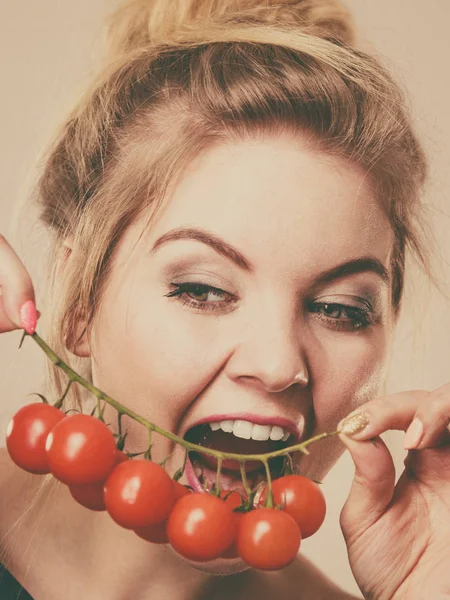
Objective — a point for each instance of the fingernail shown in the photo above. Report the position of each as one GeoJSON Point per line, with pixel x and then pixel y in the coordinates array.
{"type": "Point", "coordinates": [414, 434]}
{"type": "Point", "coordinates": [28, 316]}
{"type": "Point", "coordinates": [354, 423]}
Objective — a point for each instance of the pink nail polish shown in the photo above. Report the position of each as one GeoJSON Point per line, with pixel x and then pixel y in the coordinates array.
{"type": "Point", "coordinates": [28, 316]}
{"type": "Point", "coordinates": [414, 434]}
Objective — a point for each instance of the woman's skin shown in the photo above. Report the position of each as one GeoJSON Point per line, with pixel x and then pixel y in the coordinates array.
{"type": "Point", "coordinates": [294, 215]}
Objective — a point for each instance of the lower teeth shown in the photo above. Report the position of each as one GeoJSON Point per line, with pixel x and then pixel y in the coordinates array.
{"type": "Point", "coordinates": [228, 485]}
{"type": "Point", "coordinates": [208, 478]}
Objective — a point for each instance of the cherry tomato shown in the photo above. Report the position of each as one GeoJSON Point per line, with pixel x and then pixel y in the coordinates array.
{"type": "Point", "coordinates": [201, 527]}
{"type": "Point", "coordinates": [80, 450]}
{"type": "Point", "coordinates": [138, 493]}
{"type": "Point", "coordinates": [303, 500]}
{"type": "Point", "coordinates": [91, 495]}
{"type": "Point", "coordinates": [268, 539]}
{"type": "Point", "coordinates": [232, 551]}
{"type": "Point", "coordinates": [180, 490]}
{"type": "Point", "coordinates": [26, 435]}
{"type": "Point", "coordinates": [158, 533]}
{"type": "Point", "coordinates": [233, 500]}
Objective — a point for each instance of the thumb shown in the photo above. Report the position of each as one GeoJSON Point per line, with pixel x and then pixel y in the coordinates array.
{"type": "Point", "coordinates": [372, 487]}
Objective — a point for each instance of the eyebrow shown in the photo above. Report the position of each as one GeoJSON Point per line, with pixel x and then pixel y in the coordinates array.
{"type": "Point", "coordinates": [216, 243]}
{"type": "Point", "coordinates": [365, 264]}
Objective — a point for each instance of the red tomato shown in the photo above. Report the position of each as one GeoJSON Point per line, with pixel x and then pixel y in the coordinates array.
{"type": "Point", "coordinates": [268, 539]}
{"type": "Point", "coordinates": [234, 500]}
{"type": "Point", "coordinates": [180, 490]}
{"type": "Point", "coordinates": [138, 493]}
{"type": "Point", "coordinates": [201, 527]}
{"type": "Point", "coordinates": [158, 533]}
{"type": "Point", "coordinates": [303, 499]}
{"type": "Point", "coordinates": [120, 457]}
{"type": "Point", "coordinates": [91, 495]}
{"type": "Point", "coordinates": [26, 435]}
{"type": "Point", "coordinates": [80, 450]}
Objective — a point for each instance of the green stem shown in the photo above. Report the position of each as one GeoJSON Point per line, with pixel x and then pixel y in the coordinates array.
{"type": "Point", "coordinates": [123, 410]}
{"type": "Point", "coordinates": [247, 488]}
{"type": "Point", "coordinates": [178, 474]}
{"type": "Point", "coordinates": [269, 494]}
{"type": "Point", "coordinates": [219, 469]}
{"type": "Point", "coordinates": [288, 466]}
{"type": "Point", "coordinates": [99, 409]}
{"type": "Point", "coordinates": [148, 454]}
{"type": "Point", "coordinates": [59, 402]}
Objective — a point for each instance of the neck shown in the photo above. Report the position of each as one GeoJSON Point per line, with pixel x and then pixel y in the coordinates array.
{"type": "Point", "coordinates": [62, 550]}
{"type": "Point", "coordinates": [60, 543]}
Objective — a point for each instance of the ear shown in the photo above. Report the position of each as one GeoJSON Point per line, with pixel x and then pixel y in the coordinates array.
{"type": "Point", "coordinates": [79, 344]}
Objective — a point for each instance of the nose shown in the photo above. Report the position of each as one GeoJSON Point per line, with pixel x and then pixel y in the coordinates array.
{"type": "Point", "coordinates": [270, 354]}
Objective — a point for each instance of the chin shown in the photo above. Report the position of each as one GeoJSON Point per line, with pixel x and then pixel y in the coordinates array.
{"type": "Point", "coordinates": [219, 566]}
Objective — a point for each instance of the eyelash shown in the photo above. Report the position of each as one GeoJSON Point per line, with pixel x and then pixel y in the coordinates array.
{"type": "Point", "coordinates": [357, 318]}
{"type": "Point", "coordinates": [182, 289]}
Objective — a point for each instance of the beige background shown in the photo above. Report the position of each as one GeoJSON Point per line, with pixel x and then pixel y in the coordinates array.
{"type": "Point", "coordinates": [47, 51]}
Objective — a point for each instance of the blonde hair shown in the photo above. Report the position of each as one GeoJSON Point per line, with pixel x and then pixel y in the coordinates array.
{"type": "Point", "coordinates": [184, 75]}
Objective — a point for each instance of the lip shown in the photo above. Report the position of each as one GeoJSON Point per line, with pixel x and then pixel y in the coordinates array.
{"type": "Point", "coordinates": [286, 424]}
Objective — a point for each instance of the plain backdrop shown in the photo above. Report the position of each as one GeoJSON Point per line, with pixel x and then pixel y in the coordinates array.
{"type": "Point", "coordinates": [47, 52]}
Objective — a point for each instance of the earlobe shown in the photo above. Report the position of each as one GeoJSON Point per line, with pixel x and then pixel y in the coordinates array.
{"type": "Point", "coordinates": [80, 346]}
{"type": "Point", "coordinates": [66, 250]}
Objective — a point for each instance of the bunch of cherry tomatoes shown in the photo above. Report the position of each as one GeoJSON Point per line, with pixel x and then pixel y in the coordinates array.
{"type": "Point", "coordinates": [81, 451]}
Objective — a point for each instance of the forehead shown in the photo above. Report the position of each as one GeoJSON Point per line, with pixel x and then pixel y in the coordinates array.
{"type": "Point", "coordinates": [283, 198]}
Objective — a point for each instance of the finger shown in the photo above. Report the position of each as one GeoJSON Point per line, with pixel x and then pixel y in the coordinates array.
{"type": "Point", "coordinates": [430, 426]}
{"type": "Point", "coordinates": [16, 287]}
{"type": "Point", "coordinates": [395, 411]}
{"type": "Point", "coordinates": [5, 322]}
{"type": "Point", "coordinates": [372, 488]}
{"type": "Point", "coordinates": [425, 416]}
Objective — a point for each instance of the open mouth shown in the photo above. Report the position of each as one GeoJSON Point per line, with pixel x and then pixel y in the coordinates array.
{"type": "Point", "coordinates": [238, 437]}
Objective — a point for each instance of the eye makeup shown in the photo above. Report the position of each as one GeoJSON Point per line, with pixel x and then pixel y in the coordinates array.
{"type": "Point", "coordinates": [199, 285]}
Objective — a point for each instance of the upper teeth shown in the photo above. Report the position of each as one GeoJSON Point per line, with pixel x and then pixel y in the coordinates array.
{"type": "Point", "coordinates": [247, 430]}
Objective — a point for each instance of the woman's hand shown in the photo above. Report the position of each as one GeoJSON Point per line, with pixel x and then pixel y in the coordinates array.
{"type": "Point", "coordinates": [398, 536]}
{"type": "Point", "coordinates": [17, 307]}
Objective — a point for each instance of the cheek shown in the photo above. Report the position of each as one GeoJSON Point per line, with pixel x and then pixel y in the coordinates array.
{"type": "Point", "coordinates": [154, 355]}
{"type": "Point", "coordinates": [347, 375]}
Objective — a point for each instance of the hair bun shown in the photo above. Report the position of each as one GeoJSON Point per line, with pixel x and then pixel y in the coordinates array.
{"type": "Point", "coordinates": [143, 23]}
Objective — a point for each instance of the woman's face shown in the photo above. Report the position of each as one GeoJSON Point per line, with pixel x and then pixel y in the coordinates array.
{"type": "Point", "coordinates": [292, 251]}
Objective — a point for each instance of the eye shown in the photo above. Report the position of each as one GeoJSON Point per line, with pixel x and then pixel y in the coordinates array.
{"type": "Point", "coordinates": [343, 316]}
{"type": "Point", "coordinates": [201, 296]}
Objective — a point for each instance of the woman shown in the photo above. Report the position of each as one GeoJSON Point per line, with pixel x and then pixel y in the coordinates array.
{"type": "Point", "coordinates": [232, 204]}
